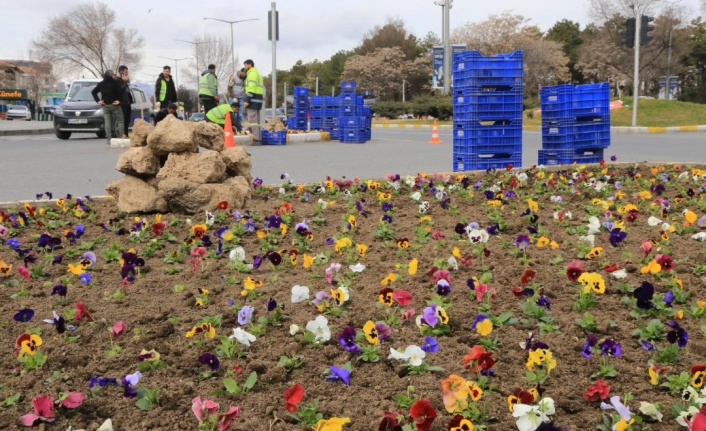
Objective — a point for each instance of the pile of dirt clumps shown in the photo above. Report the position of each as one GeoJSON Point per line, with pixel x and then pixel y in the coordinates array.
{"type": "Point", "coordinates": [164, 170]}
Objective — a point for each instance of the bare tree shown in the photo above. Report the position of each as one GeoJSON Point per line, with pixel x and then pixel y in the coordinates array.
{"type": "Point", "coordinates": [211, 49]}
{"type": "Point", "coordinates": [603, 10]}
{"type": "Point", "coordinates": [545, 62]}
{"type": "Point", "coordinates": [381, 71]}
{"type": "Point", "coordinates": [86, 38]}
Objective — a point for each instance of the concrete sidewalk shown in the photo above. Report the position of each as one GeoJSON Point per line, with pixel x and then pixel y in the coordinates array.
{"type": "Point", "coordinates": [16, 127]}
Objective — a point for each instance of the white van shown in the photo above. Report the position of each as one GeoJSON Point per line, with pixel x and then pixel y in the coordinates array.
{"type": "Point", "coordinates": [79, 84]}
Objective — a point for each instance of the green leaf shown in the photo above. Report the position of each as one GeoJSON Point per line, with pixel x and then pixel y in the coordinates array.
{"type": "Point", "coordinates": [348, 366]}
{"type": "Point", "coordinates": [250, 382]}
{"type": "Point", "coordinates": [144, 404]}
{"type": "Point", "coordinates": [232, 386]}
{"type": "Point", "coordinates": [12, 400]}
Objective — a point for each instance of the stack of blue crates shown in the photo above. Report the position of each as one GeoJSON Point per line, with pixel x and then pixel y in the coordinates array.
{"type": "Point", "coordinates": [488, 102]}
{"type": "Point", "coordinates": [301, 109]}
{"type": "Point", "coordinates": [353, 127]}
{"type": "Point", "coordinates": [575, 124]}
{"type": "Point", "coordinates": [324, 114]}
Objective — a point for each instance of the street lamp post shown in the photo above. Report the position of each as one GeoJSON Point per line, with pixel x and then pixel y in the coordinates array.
{"type": "Point", "coordinates": [195, 45]}
{"type": "Point", "coordinates": [232, 43]}
{"type": "Point", "coordinates": [176, 67]}
{"type": "Point", "coordinates": [446, 37]}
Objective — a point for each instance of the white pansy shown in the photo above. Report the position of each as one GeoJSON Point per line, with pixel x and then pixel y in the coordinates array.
{"type": "Point", "coordinates": [358, 267]}
{"type": "Point", "coordinates": [495, 189]}
{"type": "Point", "coordinates": [588, 239]}
{"type": "Point", "coordinates": [453, 263]}
{"type": "Point", "coordinates": [683, 176]}
{"type": "Point", "coordinates": [701, 236]}
{"type": "Point", "coordinates": [416, 196]}
{"type": "Point", "coordinates": [242, 336]}
{"type": "Point", "coordinates": [529, 418]}
{"type": "Point", "coordinates": [649, 409]}
{"type": "Point", "coordinates": [294, 329]}
{"type": "Point", "coordinates": [691, 411]}
{"type": "Point", "coordinates": [299, 294]}
{"type": "Point", "coordinates": [556, 199]}
{"type": "Point", "coordinates": [594, 225]}
{"type": "Point", "coordinates": [521, 176]}
{"type": "Point", "coordinates": [282, 191]}
{"type": "Point", "coordinates": [666, 226]}
{"type": "Point", "coordinates": [440, 195]}
{"type": "Point", "coordinates": [409, 180]}
{"type": "Point", "coordinates": [414, 355]}
{"type": "Point", "coordinates": [478, 236]}
{"type": "Point", "coordinates": [238, 254]}
{"type": "Point", "coordinates": [619, 274]}
{"type": "Point", "coordinates": [653, 221]}
{"type": "Point", "coordinates": [209, 218]}
{"type": "Point", "coordinates": [319, 327]}
{"type": "Point", "coordinates": [189, 222]}
{"type": "Point", "coordinates": [323, 203]}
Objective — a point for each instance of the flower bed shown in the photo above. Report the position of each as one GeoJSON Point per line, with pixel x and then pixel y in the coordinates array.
{"type": "Point", "coordinates": [507, 300]}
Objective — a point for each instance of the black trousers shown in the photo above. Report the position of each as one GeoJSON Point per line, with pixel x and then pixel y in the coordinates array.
{"type": "Point", "coordinates": [127, 116]}
{"type": "Point", "coordinates": [208, 103]}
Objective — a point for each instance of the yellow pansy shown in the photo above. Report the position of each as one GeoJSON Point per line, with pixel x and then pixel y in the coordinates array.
{"type": "Point", "coordinates": [543, 242]}
{"type": "Point", "coordinates": [261, 234]}
{"type": "Point", "coordinates": [651, 268]}
{"type": "Point", "coordinates": [76, 269]}
{"type": "Point", "coordinates": [30, 346]}
{"type": "Point", "coordinates": [412, 270]}
{"type": "Point", "coordinates": [371, 333]}
{"type": "Point", "coordinates": [283, 228]}
{"type": "Point", "coordinates": [485, 327]}
{"type": "Point", "coordinates": [333, 424]}
{"type": "Point", "coordinates": [391, 278]}
{"type": "Point", "coordinates": [592, 282]}
{"type": "Point", "coordinates": [554, 245]}
{"type": "Point", "coordinates": [250, 284]}
{"type": "Point", "coordinates": [457, 253]}
{"type": "Point", "coordinates": [342, 244]}
{"type": "Point", "coordinates": [362, 249]}
{"type": "Point", "coordinates": [594, 253]}
{"type": "Point", "coordinates": [352, 221]}
{"type": "Point", "coordinates": [308, 261]}
{"type": "Point", "coordinates": [533, 206]}
{"type": "Point", "coordinates": [623, 425]}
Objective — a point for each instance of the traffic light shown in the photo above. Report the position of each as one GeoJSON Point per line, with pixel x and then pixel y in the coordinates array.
{"type": "Point", "coordinates": [630, 32]}
{"type": "Point", "coordinates": [645, 29]}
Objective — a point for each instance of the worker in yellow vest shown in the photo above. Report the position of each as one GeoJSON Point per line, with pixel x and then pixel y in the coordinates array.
{"type": "Point", "coordinates": [218, 115]}
{"type": "Point", "coordinates": [165, 89]}
{"type": "Point", "coordinates": [208, 88]}
{"type": "Point", "coordinates": [254, 91]}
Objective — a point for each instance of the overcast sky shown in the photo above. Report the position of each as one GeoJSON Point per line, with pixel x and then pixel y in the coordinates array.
{"type": "Point", "coordinates": [309, 29]}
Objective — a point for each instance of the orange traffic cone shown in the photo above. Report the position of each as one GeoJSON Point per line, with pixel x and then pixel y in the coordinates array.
{"type": "Point", "coordinates": [435, 135]}
{"type": "Point", "coordinates": [229, 137]}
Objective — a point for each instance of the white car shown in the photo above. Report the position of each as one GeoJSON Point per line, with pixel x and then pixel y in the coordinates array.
{"type": "Point", "coordinates": [18, 112]}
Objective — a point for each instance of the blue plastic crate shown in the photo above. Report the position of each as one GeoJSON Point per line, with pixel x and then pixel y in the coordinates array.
{"type": "Point", "coordinates": [480, 162]}
{"type": "Point", "coordinates": [304, 116]}
{"type": "Point", "coordinates": [349, 99]}
{"type": "Point", "coordinates": [568, 157]}
{"type": "Point", "coordinates": [301, 92]}
{"type": "Point", "coordinates": [573, 134]}
{"type": "Point", "coordinates": [509, 65]}
{"type": "Point", "coordinates": [568, 102]}
{"type": "Point", "coordinates": [487, 106]}
{"type": "Point", "coordinates": [357, 122]}
{"type": "Point", "coordinates": [511, 128]}
{"type": "Point", "coordinates": [332, 102]}
{"type": "Point", "coordinates": [331, 111]}
{"type": "Point", "coordinates": [499, 145]}
{"type": "Point", "coordinates": [301, 102]}
{"type": "Point", "coordinates": [353, 132]}
{"type": "Point", "coordinates": [349, 86]}
{"type": "Point", "coordinates": [316, 102]}
{"type": "Point", "coordinates": [274, 138]}
{"type": "Point", "coordinates": [350, 111]}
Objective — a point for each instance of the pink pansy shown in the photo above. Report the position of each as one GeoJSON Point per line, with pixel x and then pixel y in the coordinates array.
{"type": "Point", "coordinates": [225, 420]}
{"type": "Point", "coordinates": [3, 231]}
{"type": "Point", "coordinates": [438, 235]}
{"type": "Point", "coordinates": [200, 407]}
{"type": "Point", "coordinates": [646, 248]}
{"type": "Point", "coordinates": [199, 252]}
{"type": "Point", "coordinates": [402, 297]}
{"type": "Point", "coordinates": [442, 275]}
{"type": "Point", "coordinates": [408, 314]}
{"type": "Point", "coordinates": [118, 329]}
{"type": "Point", "coordinates": [73, 400]}
{"type": "Point", "coordinates": [43, 411]}
{"type": "Point", "coordinates": [24, 272]}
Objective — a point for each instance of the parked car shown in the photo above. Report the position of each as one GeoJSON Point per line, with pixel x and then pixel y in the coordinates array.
{"type": "Point", "coordinates": [80, 84]}
{"type": "Point", "coordinates": [82, 114]}
{"type": "Point", "coordinates": [197, 116]}
{"type": "Point", "coordinates": [280, 114]}
{"type": "Point", "coordinates": [18, 112]}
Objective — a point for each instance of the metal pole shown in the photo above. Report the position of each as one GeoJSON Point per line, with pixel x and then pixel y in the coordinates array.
{"type": "Point", "coordinates": [636, 77]}
{"type": "Point", "coordinates": [232, 48]}
{"type": "Point", "coordinates": [669, 68]}
{"type": "Point", "coordinates": [447, 48]}
{"type": "Point", "coordinates": [285, 99]}
{"type": "Point", "coordinates": [274, 59]}
{"type": "Point", "coordinates": [317, 85]}
{"type": "Point", "coordinates": [333, 90]}
{"type": "Point", "coordinates": [403, 94]}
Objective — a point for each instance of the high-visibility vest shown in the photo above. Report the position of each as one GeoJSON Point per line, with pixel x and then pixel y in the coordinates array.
{"type": "Point", "coordinates": [208, 85]}
{"type": "Point", "coordinates": [218, 114]}
{"type": "Point", "coordinates": [163, 91]}
{"type": "Point", "coordinates": [253, 82]}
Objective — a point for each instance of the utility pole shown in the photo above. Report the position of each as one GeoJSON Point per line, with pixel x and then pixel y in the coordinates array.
{"type": "Point", "coordinates": [668, 95]}
{"type": "Point", "coordinates": [403, 93]}
{"type": "Point", "coordinates": [274, 36]}
{"type": "Point", "coordinates": [636, 75]}
{"type": "Point", "coordinates": [317, 85]}
{"type": "Point", "coordinates": [285, 99]}
{"type": "Point", "coordinates": [446, 41]}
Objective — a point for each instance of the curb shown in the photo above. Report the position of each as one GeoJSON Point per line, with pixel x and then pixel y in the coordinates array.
{"type": "Point", "coordinates": [26, 132]}
{"type": "Point", "coordinates": [618, 130]}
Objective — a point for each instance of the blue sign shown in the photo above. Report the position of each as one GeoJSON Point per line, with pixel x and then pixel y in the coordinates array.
{"type": "Point", "coordinates": [437, 76]}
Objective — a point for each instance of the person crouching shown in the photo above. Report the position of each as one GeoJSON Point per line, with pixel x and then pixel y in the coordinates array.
{"type": "Point", "coordinates": [218, 115]}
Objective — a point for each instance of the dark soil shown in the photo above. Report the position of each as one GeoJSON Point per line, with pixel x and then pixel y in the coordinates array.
{"type": "Point", "coordinates": [158, 318]}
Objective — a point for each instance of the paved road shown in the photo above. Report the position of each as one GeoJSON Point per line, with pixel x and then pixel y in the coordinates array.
{"type": "Point", "coordinates": [35, 164]}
